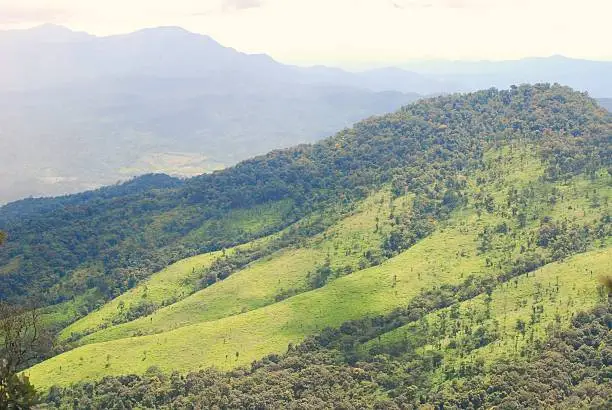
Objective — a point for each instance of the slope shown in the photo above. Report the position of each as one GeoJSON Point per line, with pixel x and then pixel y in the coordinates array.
{"type": "Point", "coordinates": [336, 252]}
{"type": "Point", "coordinates": [564, 372]}
{"type": "Point", "coordinates": [464, 246]}
{"type": "Point", "coordinates": [416, 147]}
{"type": "Point", "coordinates": [509, 322]}
{"type": "Point", "coordinates": [240, 339]}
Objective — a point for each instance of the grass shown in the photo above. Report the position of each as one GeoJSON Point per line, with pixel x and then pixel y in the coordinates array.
{"type": "Point", "coordinates": [559, 289]}
{"type": "Point", "coordinates": [170, 284]}
{"type": "Point", "coordinates": [180, 279]}
{"type": "Point", "coordinates": [265, 281]}
{"type": "Point", "coordinates": [240, 339]}
{"type": "Point", "coordinates": [209, 328]}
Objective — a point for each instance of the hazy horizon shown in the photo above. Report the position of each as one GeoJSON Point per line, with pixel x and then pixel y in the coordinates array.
{"type": "Point", "coordinates": [351, 67]}
{"type": "Point", "coordinates": [374, 33]}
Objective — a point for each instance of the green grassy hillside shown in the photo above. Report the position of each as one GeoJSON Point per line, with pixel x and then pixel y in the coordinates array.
{"type": "Point", "coordinates": [403, 259]}
{"type": "Point", "coordinates": [178, 280]}
{"type": "Point", "coordinates": [270, 279]}
{"type": "Point", "coordinates": [164, 287]}
{"type": "Point", "coordinates": [482, 239]}
{"type": "Point", "coordinates": [240, 339]}
{"type": "Point", "coordinates": [512, 318]}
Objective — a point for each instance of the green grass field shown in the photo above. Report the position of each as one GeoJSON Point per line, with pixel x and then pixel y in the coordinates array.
{"type": "Point", "coordinates": [171, 284]}
{"type": "Point", "coordinates": [240, 339]}
{"type": "Point", "coordinates": [180, 279]}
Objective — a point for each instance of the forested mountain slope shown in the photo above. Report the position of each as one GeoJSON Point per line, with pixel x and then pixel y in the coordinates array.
{"type": "Point", "coordinates": [425, 148]}
{"type": "Point", "coordinates": [482, 249]}
{"type": "Point", "coordinates": [432, 242]}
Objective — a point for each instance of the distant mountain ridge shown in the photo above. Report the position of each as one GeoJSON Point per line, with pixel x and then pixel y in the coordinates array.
{"type": "Point", "coordinates": [167, 52]}
{"type": "Point", "coordinates": [584, 75]}
{"type": "Point", "coordinates": [79, 111]}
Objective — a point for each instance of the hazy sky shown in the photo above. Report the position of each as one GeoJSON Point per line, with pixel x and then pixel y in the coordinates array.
{"type": "Point", "coordinates": [350, 31]}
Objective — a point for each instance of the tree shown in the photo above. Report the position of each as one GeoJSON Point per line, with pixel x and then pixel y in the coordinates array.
{"type": "Point", "coordinates": [21, 338]}
{"type": "Point", "coordinates": [607, 282]}
{"type": "Point", "coordinates": [22, 341]}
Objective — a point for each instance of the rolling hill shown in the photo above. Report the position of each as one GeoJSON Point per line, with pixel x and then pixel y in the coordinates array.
{"type": "Point", "coordinates": [234, 336]}
{"type": "Point", "coordinates": [402, 262]}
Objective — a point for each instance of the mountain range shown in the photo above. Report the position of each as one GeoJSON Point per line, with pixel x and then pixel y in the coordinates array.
{"type": "Point", "coordinates": [79, 111]}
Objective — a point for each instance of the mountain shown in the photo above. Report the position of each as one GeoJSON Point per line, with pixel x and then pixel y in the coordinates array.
{"type": "Point", "coordinates": [585, 75]}
{"type": "Point", "coordinates": [418, 257]}
{"type": "Point", "coordinates": [380, 79]}
{"type": "Point", "coordinates": [79, 111]}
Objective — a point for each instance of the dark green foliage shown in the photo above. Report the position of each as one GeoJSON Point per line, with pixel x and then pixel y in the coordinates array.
{"type": "Point", "coordinates": [16, 391]}
{"type": "Point", "coordinates": [408, 229]}
{"type": "Point", "coordinates": [563, 238]}
{"type": "Point", "coordinates": [572, 370]}
{"type": "Point", "coordinates": [23, 341]}
{"type": "Point", "coordinates": [321, 275]}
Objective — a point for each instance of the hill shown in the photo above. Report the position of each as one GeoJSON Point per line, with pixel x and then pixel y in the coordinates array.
{"type": "Point", "coordinates": [136, 234]}
{"type": "Point", "coordinates": [457, 232]}
{"type": "Point", "coordinates": [447, 256]}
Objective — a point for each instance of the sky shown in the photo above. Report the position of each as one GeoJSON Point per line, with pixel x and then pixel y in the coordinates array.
{"type": "Point", "coordinates": [349, 32]}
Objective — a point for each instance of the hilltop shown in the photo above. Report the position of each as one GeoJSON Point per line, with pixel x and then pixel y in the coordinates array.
{"type": "Point", "coordinates": [454, 234]}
